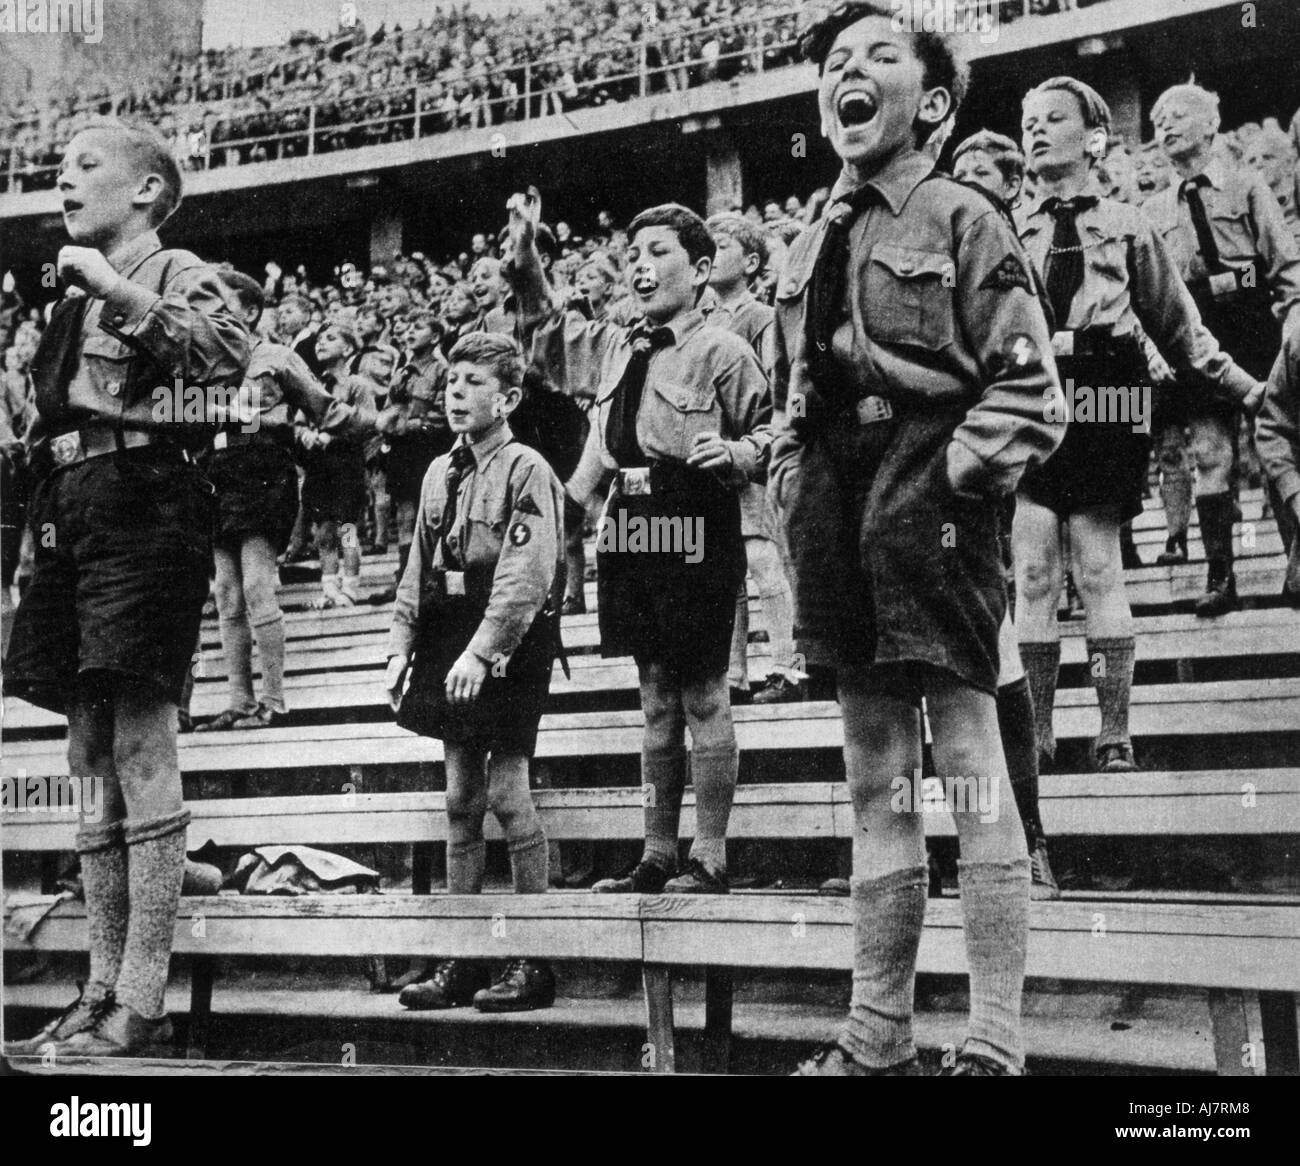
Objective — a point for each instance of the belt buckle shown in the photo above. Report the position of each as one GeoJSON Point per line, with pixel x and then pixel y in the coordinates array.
{"type": "Point", "coordinates": [453, 583]}
{"type": "Point", "coordinates": [873, 409]}
{"type": "Point", "coordinates": [1223, 284]}
{"type": "Point", "coordinates": [1063, 343]}
{"type": "Point", "coordinates": [634, 482]}
{"type": "Point", "coordinates": [221, 441]}
{"type": "Point", "coordinates": [66, 449]}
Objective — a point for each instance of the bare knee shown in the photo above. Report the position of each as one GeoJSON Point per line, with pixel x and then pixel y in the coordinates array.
{"type": "Point", "coordinates": [229, 592]}
{"type": "Point", "coordinates": [1097, 572]}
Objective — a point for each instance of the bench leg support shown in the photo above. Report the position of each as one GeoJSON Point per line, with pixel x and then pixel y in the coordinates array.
{"type": "Point", "coordinates": [1231, 1027]}
{"type": "Point", "coordinates": [1281, 1046]}
{"type": "Point", "coordinates": [662, 1051]}
{"type": "Point", "coordinates": [202, 973]}
{"type": "Point", "coordinates": [718, 989]}
{"type": "Point", "coordinates": [422, 868]}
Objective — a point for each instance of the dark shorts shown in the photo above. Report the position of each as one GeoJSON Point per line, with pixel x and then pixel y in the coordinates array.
{"type": "Point", "coordinates": [335, 486]}
{"type": "Point", "coordinates": [505, 716]}
{"type": "Point", "coordinates": [1100, 465]}
{"type": "Point", "coordinates": [654, 604]}
{"type": "Point", "coordinates": [123, 552]}
{"type": "Point", "coordinates": [257, 493]}
{"type": "Point", "coordinates": [893, 574]}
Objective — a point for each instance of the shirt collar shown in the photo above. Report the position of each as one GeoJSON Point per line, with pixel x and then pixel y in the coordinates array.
{"type": "Point", "coordinates": [489, 443]}
{"type": "Point", "coordinates": [687, 323]}
{"type": "Point", "coordinates": [895, 183]}
{"type": "Point", "coordinates": [1213, 173]}
{"type": "Point", "coordinates": [130, 255]}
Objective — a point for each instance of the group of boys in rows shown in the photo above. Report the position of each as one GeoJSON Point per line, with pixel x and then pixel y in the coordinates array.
{"type": "Point", "coordinates": [874, 425]}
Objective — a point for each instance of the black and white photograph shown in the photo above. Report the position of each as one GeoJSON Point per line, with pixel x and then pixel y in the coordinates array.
{"type": "Point", "coordinates": [715, 538]}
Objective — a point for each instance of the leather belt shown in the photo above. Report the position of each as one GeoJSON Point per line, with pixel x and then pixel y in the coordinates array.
{"type": "Point", "coordinates": [80, 445]}
{"type": "Point", "coordinates": [872, 410]}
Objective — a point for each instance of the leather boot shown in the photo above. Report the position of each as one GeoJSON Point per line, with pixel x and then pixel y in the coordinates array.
{"type": "Point", "coordinates": [1216, 511]}
{"type": "Point", "coordinates": [452, 985]}
{"type": "Point", "coordinates": [522, 986]}
{"type": "Point", "coordinates": [119, 1031]}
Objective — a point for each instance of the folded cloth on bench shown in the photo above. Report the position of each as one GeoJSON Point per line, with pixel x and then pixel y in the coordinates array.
{"type": "Point", "coordinates": [301, 870]}
{"type": "Point", "coordinates": [25, 911]}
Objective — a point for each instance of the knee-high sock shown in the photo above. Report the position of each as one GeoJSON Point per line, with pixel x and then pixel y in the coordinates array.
{"type": "Point", "coordinates": [1042, 661]}
{"type": "Point", "coordinates": [995, 921]}
{"type": "Point", "coordinates": [155, 868]}
{"type": "Point", "coordinates": [104, 884]}
{"type": "Point", "coordinates": [738, 662]}
{"type": "Point", "coordinates": [530, 863]}
{"type": "Point", "coordinates": [270, 655]}
{"type": "Point", "coordinates": [888, 915]}
{"type": "Point", "coordinates": [1111, 665]}
{"type": "Point", "coordinates": [664, 772]}
{"type": "Point", "coordinates": [465, 863]}
{"type": "Point", "coordinates": [237, 648]}
{"type": "Point", "coordinates": [1176, 493]}
{"type": "Point", "coordinates": [713, 775]}
{"type": "Point", "coordinates": [1216, 513]}
{"type": "Point", "coordinates": [1020, 746]}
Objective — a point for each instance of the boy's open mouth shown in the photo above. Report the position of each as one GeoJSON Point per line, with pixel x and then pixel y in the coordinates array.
{"type": "Point", "coordinates": [645, 284]}
{"type": "Point", "coordinates": [856, 108]}
{"type": "Point", "coordinates": [1146, 185]}
{"type": "Point", "coordinates": [71, 206]}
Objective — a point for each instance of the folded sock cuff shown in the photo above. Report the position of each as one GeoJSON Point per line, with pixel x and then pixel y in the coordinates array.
{"type": "Point", "coordinates": [911, 876]}
{"type": "Point", "coordinates": [151, 828]}
{"type": "Point", "coordinates": [99, 836]}
{"type": "Point", "coordinates": [527, 842]}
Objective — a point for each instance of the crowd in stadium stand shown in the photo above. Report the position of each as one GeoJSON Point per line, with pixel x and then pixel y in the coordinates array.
{"type": "Point", "coordinates": [457, 70]}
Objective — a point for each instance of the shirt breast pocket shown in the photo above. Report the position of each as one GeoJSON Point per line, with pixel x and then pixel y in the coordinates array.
{"type": "Point", "coordinates": [485, 530]}
{"type": "Point", "coordinates": [909, 297]}
{"type": "Point", "coordinates": [681, 412]}
{"type": "Point", "coordinates": [1234, 231]}
{"type": "Point", "coordinates": [108, 361]}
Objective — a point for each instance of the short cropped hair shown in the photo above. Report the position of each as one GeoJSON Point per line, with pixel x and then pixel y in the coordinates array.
{"type": "Point", "coordinates": [751, 238]}
{"type": "Point", "coordinates": [685, 223]}
{"type": "Point", "coordinates": [1096, 113]}
{"type": "Point", "coordinates": [600, 261]}
{"type": "Point", "coordinates": [1006, 155]}
{"type": "Point", "coordinates": [347, 331]}
{"type": "Point", "coordinates": [1205, 97]}
{"type": "Point", "coordinates": [492, 350]}
{"type": "Point", "coordinates": [151, 155]}
{"type": "Point", "coordinates": [247, 290]}
{"type": "Point", "coordinates": [427, 317]}
{"type": "Point", "coordinates": [303, 303]}
{"type": "Point", "coordinates": [942, 65]}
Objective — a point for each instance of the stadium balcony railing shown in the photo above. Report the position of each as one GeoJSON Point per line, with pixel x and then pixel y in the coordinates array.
{"type": "Point", "coordinates": [316, 127]}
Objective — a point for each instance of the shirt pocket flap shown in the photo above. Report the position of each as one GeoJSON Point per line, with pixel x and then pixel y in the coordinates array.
{"type": "Point", "coordinates": [795, 279]}
{"type": "Point", "coordinates": [909, 263]}
{"type": "Point", "coordinates": [107, 347]}
{"type": "Point", "coordinates": [687, 399]}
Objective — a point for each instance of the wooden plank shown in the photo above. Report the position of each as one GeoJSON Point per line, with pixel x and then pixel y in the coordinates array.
{"type": "Point", "coordinates": [202, 972]}
{"type": "Point", "coordinates": [567, 925]}
{"type": "Point", "coordinates": [660, 1031]}
{"type": "Point", "coordinates": [1233, 1053]}
{"type": "Point", "coordinates": [1281, 1043]}
{"type": "Point", "coordinates": [719, 991]}
{"type": "Point", "coordinates": [1240, 803]}
{"type": "Point", "coordinates": [1235, 707]}
{"type": "Point", "coordinates": [1149, 943]}
{"type": "Point", "coordinates": [804, 810]}
{"type": "Point", "coordinates": [1242, 634]}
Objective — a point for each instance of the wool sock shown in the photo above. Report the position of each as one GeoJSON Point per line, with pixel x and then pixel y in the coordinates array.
{"type": "Point", "coordinates": [888, 915]}
{"type": "Point", "coordinates": [713, 775]}
{"type": "Point", "coordinates": [1042, 661]}
{"type": "Point", "coordinates": [664, 772]}
{"type": "Point", "coordinates": [104, 886]}
{"type": "Point", "coordinates": [1020, 746]}
{"type": "Point", "coordinates": [1216, 512]}
{"type": "Point", "coordinates": [1176, 493]}
{"type": "Point", "coordinates": [155, 870]}
{"type": "Point", "coordinates": [270, 655]}
{"type": "Point", "coordinates": [237, 648]}
{"type": "Point", "coordinates": [995, 921]}
{"type": "Point", "coordinates": [1111, 666]}
{"type": "Point", "coordinates": [465, 863]}
{"type": "Point", "coordinates": [530, 863]}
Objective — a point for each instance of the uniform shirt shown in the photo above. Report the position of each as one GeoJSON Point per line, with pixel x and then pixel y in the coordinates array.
{"type": "Point", "coordinates": [1129, 280]}
{"type": "Point", "coordinates": [509, 519]}
{"type": "Point", "coordinates": [750, 319]}
{"type": "Point", "coordinates": [278, 383]}
{"type": "Point", "coordinates": [17, 408]}
{"type": "Point", "coordinates": [1277, 429]}
{"type": "Point", "coordinates": [418, 401]}
{"type": "Point", "coordinates": [356, 393]}
{"type": "Point", "coordinates": [939, 310]}
{"type": "Point", "coordinates": [172, 309]}
{"type": "Point", "coordinates": [706, 381]}
{"type": "Point", "coordinates": [1247, 224]}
